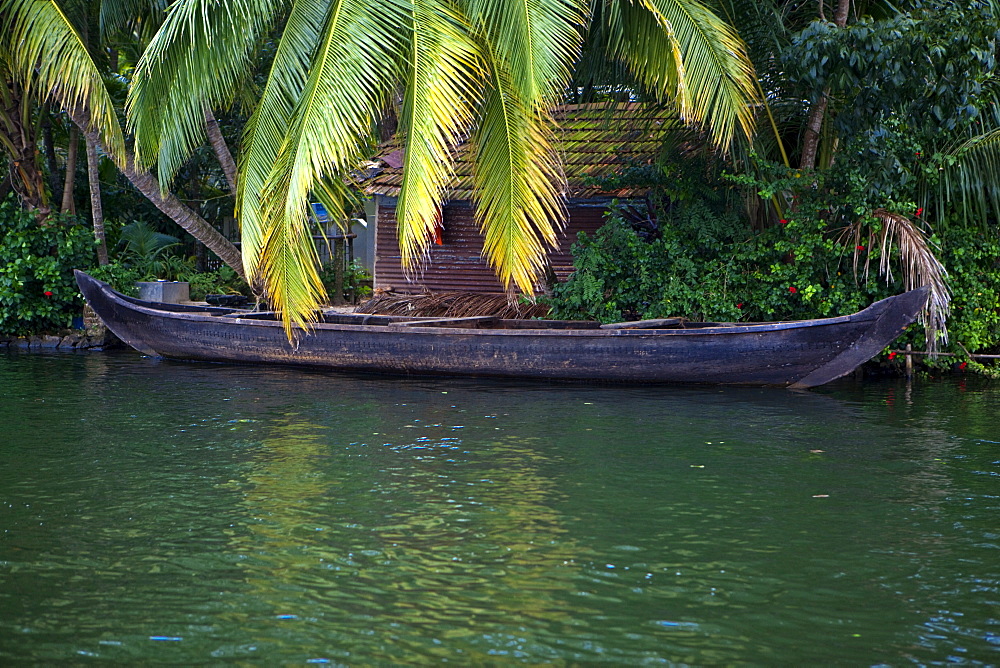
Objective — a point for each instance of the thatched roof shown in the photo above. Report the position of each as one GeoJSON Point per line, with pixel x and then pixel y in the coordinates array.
{"type": "Point", "coordinates": [594, 141]}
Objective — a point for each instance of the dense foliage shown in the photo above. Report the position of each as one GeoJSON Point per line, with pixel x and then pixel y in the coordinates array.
{"type": "Point", "coordinates": [892, 199]}
{"type": "Point", "coordinates": [37, 290]}
{"type": "Point", "coordinates": [709, 264]}
{"type": "Point", "coordinates": [889, 93]}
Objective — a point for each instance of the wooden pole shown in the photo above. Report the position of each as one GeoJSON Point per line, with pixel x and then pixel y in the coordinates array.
{"type": "Point", "coordinates": [909, 361]}
{"type": "Point", "coordinates": [925, 354]}
{"type": "Point", "coordinates": [337, 298]}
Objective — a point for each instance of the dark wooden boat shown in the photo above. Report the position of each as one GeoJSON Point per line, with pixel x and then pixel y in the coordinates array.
{"type": "Point", "coordinates": [798, 354]}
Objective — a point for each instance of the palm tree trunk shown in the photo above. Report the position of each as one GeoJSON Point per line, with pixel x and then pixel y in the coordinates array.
{"type": "Point", "coordinates": [168, 203]}
{"type": "Point", "coordinates": [810, 138]}
{"type": "Point", "coordinates": [221, 149]}
{"type": "Point", "coordinates": [96, 209]}
{"type": "Point", "coordinates": [50, 147]}
{"type": "Point", "coordinates": [17, 137]}
{"type": "Point", "coordinates": [68, 204]}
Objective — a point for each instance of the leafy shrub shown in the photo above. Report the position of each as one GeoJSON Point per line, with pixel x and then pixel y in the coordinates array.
{"type": "Point", "coordinates": [150, 252]}
{"type": "Point", "coordinates": [37, 290]}
{"type": "Point", "coordinates": [121, 277]}
{"type": "Point", "coordinates": [973, 261]}
{"type": "Point", "coordinates": [357, 281]}
{"type": "Point", "coordinates": [222, 281]}
{"type": "Point", "coordinates": [707, 266]}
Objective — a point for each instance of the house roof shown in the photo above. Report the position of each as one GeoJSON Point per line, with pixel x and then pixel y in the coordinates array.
{"type": "Point", "coordinates": [594, 140]}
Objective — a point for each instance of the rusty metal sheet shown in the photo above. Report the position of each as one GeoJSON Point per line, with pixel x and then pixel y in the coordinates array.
{"type": "Point", "coordinates": [457, 264]}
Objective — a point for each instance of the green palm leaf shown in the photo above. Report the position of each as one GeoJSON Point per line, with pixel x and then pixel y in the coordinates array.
{"type": "Point", "coordinates": [972, 182]}
{"type": "Point", "coordinates": [519, 183]}
{"type": "Point", "coordinates": [265, 131]}
{"type": "Point", "coordinates": [538, 40]}
{"type": "Point", "coordinates": [353, 68]}
{"type": "Point", "coordinates": [700, 61]}
{"type": "Point", "coordinates": [133, 16]}
{"type": "Point", "coordinates": [442, 78]}
{"type": "Point", "coordinates": [198, 59]}
{"type": "Point", "coordinates": [46, 51]}
{"type": "Point", "coordinates": [528, 47]}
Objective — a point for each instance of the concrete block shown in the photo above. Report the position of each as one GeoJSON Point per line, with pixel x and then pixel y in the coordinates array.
{"type": "Point", "coordinates": [165, 292]}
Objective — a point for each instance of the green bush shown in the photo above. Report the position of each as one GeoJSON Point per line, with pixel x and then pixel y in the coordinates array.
{"type": "Point", "coordinates": [357, 281]}
{"type": "Point", "coordinates": [37, 290]}
{"type": "Point", "coordinates": [972, 258]}
{"type": "Point", "coordinates": [121, 277]}
{"type": "Point", "coordinates": [709, 266]}
{"type": "Point", "coordinates": [222, 281]}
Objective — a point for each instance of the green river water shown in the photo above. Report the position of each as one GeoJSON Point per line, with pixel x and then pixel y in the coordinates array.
{"type": "Point", "coordinates": [155, 512]}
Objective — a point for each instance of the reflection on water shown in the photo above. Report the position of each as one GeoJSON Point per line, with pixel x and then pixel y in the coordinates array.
{"type": "Point", "coordinates": [155, 511]}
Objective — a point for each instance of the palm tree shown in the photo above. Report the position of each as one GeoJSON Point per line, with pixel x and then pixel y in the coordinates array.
{"type": "Point", "coordinates": [19, 142]}
{"type": "Point", "coordinates": [487, 69]}
{"type": "Point", "coordinates": [45, 45]}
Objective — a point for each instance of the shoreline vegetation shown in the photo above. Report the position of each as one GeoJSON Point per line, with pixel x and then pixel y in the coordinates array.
{"type": "Point", "coordinates": [842, 161]}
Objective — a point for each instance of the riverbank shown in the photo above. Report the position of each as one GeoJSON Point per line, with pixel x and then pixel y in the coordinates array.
{"type": "Point", "coordinates": [74, 339]}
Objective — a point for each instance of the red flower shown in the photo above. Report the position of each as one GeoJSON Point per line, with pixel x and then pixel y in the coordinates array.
{"type": "Point", "coordinates": [783, 221]}
{"type": "Point", "coordinates": [918, 154]}
{"type": "Point", "coordinates": [793, 289]}
{"type": "Point", "coordinates": [892, 355]}
{"type": "Point", "coordinates": [963, 365]}
{"type": "Point", "coordinates": [920, 212]}
{"type": "Point", "coordinates": [740, 305]}
{"type": "Point", "coordinates": [860, 247]}
{"type": "Point", "coordinates": [48, 293]}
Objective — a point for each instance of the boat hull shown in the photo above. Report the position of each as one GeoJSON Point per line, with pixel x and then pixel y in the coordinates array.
{"type": "Point", "coordinates": [800, 354]}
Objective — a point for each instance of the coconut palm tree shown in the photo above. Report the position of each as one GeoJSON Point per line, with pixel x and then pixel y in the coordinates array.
{"type": "Point", "coordinates": [489, 70]}
{"type": "Point", "coordinates": [45, 45]}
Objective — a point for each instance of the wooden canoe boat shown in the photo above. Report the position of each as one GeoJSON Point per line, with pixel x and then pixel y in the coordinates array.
{"type": "Point", "coordinates": [798, 354]}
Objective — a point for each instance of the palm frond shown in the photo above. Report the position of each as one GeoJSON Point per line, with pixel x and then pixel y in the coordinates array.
{"type": "Point", "coordinates": [539, 41]}
{"type": "Point", "coordinates": [142, 241]}
{"type": "Point", "coordinates": [442, 78]}
{"type": "Point", "coordinates": [687, 54]}
{"type": "Point", "coordinates": [919, 267]}
{"type": "Point", "coordinates": [117, 16]}
{"type": "Point", "coordinates": [198, 58]}
{"type": "Point", "coordinates": [519, 183]}
{"type": "Point", "coordinates": [352, 71]}
{"type": "Point", "coordinates": [48, 54]}
{"type": "Point", "coordinates": [265, 131]}
{"type": "Point", "coordinates": [971, 183]}
{"type": "Point", "coordinates": [528, 47]}
{"type": "Point", "coordinates": [598, 76]}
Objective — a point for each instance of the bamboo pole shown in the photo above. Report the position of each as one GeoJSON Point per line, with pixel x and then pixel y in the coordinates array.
{"type": "Point", "coordinates": [923, 353]}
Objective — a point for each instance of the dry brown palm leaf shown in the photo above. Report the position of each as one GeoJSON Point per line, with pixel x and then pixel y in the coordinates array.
{"type": "Point", "coordinates": [452, 305]}
{"type": "Point", "coordinates": [918, 263]}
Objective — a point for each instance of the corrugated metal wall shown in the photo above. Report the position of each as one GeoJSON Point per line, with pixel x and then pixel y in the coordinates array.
{"type": "Point", "coordinates": [457, 264]}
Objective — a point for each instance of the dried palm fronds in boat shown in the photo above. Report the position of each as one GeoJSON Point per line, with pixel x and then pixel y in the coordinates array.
{"type": "Point", "coordinates": [452, 305]}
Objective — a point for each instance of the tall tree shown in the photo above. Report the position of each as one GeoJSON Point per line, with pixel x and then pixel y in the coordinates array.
{"type": "Point", "coordinates": [45, 44]}
{"type": "Point", "coordinates": [811, 133]}
{"type": "Point", "coordinates": [68, 204]}
{"type": "Point", "coordinates": [20, 142]}
{"type": "Point", "coordinates": [491, 69]}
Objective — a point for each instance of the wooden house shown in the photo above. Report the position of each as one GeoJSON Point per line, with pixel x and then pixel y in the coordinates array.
{"type": "Point", "coordinates": [595, 142]}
